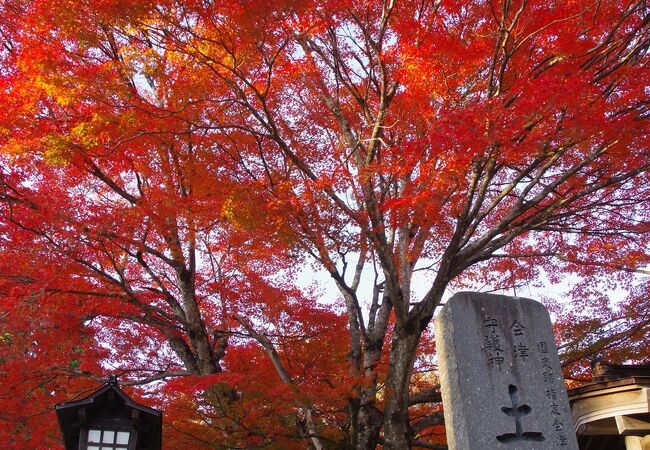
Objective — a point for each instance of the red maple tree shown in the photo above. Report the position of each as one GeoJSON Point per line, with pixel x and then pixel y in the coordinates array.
{"type": "Point", "coordinates": [168, 167]}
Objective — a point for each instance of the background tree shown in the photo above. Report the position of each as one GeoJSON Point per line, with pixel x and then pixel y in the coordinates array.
{"type": "Point", "coordinates": [149, 145]}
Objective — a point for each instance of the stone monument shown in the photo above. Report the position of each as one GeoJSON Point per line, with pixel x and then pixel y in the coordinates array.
{"type": "Point", "coordinates": [500, 375]}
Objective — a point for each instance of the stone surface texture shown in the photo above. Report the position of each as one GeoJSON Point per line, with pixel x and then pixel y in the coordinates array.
{"type": "Point", "coordinates": [502, 386]}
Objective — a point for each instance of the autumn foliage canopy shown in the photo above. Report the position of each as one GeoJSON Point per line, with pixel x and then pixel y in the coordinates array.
{"type": "Point", "coordinates": [173, 172]}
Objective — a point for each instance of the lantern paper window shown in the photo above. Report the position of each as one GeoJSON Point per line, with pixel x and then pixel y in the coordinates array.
{"type": "Point", "coordinates": [108, 439]}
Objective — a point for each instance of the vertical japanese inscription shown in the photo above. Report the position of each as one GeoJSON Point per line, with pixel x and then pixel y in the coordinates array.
{"type": "Point", "coordinates": [493, 345]}
{"type": "Point", "coordinates": [551, 392]}
{"type": "Point", "coordinates": [520, 349]}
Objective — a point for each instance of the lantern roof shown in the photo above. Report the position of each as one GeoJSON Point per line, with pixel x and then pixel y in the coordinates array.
{"type": "Point", "coordinates": [110, 407]}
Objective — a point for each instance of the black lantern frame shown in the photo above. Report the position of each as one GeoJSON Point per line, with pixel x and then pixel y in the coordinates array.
{"type": "Point", "coordinates": [108, 419]}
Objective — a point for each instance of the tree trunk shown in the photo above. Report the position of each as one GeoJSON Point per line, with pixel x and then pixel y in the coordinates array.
{"type": "Point", "coordinates": [396, 421]}
{"type": "Point", "coordinates": [369, 420]}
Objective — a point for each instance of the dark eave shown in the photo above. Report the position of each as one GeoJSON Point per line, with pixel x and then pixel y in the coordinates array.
{"type": "Point", "coordinates": [109, 406]}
